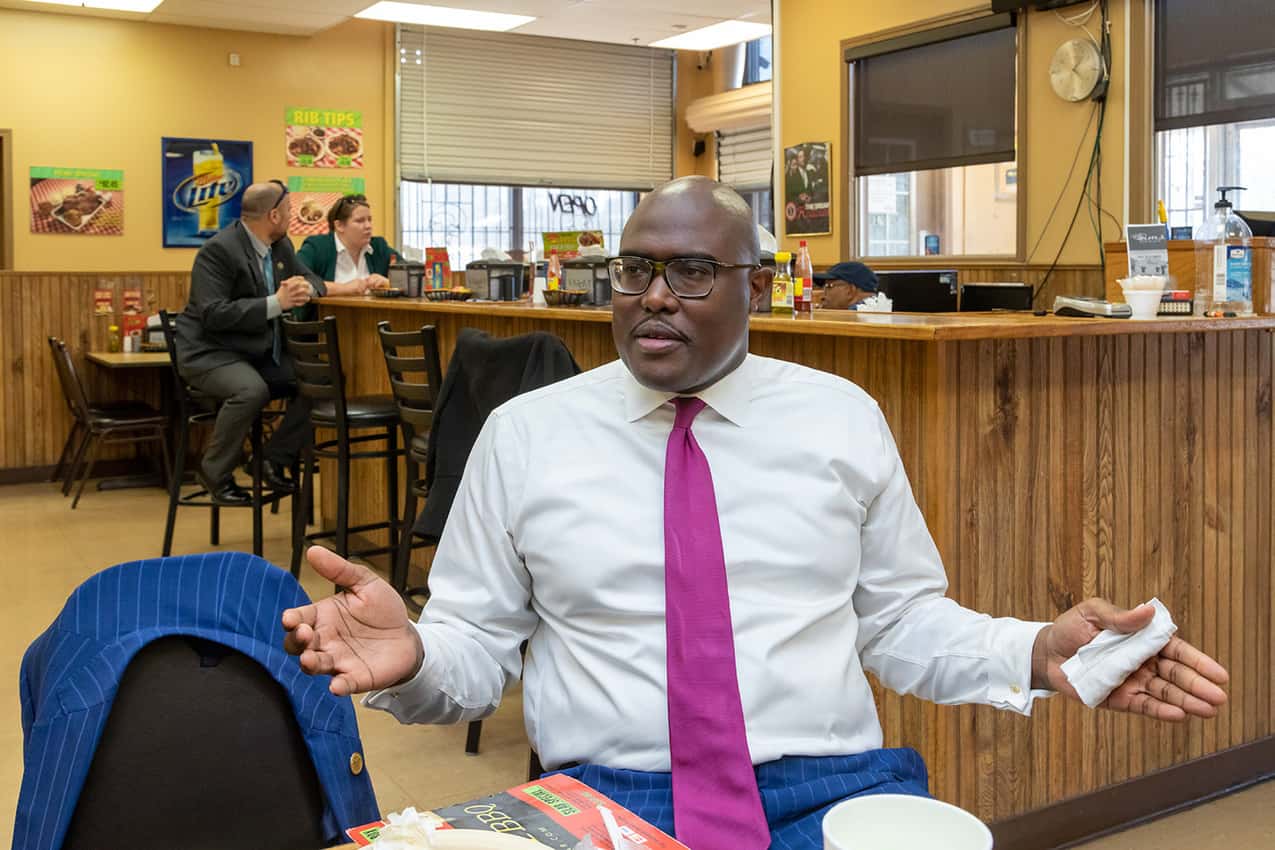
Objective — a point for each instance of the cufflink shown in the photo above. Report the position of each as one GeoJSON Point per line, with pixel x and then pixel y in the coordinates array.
{"type": "Point", "coordinates": [1014, 689]}
{"type": "Point", "coordinates": [356, 763]}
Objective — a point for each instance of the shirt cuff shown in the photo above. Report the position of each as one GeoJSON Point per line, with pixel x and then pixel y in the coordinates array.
{"type": "Point", "coordinates": [1010, 674]}
{"type": "Point", "coordinates": [402, 700]}
{"type": "Point", "coordinates": [273, 308]}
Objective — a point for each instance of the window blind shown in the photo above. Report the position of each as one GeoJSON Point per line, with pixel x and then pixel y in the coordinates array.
{"type": "Point", "coordinates": [936, 99]}
{"type": "Point", "coordinates": [476, 107]}
{"type": "Point", "coordinates": [744, 158]}
{"type": "Point", "coordinates": [1214, 62]}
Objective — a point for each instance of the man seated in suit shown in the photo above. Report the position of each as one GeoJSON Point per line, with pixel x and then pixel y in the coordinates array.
{"type": "Point", "coordinates": [230, 338]}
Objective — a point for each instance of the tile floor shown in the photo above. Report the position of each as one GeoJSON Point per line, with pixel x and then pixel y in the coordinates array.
{"type": "Point", "coordinates": [48, 550]}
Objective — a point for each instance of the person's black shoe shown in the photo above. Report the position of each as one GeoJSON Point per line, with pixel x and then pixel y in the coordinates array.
{"type": "Point", "coordinates": [273, 476]}
{"type": "Point", "coordinates": [227, 493]}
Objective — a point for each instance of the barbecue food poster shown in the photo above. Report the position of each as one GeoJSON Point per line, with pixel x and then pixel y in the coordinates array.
{"type": "Point", "coordinates": [203, 185]}
{"type": "Point", "coordinates": [77, 201]}
{"type": "Point", "coordinates": [323, 138]}
{"type": "Point", "coordinates": [312, 197]}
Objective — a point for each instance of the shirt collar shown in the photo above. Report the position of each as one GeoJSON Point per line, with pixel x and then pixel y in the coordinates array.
{"type": "Point", "coordinates": [341, 249]}
{"type": "Point", "coordinates": [261, 248]}
{"type": "Point", "coordinates": [731, 396]}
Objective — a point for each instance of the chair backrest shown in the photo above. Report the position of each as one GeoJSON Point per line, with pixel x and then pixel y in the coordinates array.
{"type": "Point", "coordinates": [72, 388]}
{"type": "Point", "coordinates": [186, 402]}
{"type": "Point", "coordinates": [201, 749]}
{"type": "Point", "coordinates": [414, 379]}
{"type": "Point", "coordinates": [316, 360]}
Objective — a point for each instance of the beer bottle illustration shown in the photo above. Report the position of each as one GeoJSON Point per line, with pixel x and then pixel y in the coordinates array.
{"type": "Point", "coordinates": [208, 169]}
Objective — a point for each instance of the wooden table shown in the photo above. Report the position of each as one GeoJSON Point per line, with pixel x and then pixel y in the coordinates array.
{"type": "Point", "coordinates": [138, 360]}
{"type": "Point", "coordinates": [129, 360]}
{"type": "Point", "coordinates": [1054, 459]}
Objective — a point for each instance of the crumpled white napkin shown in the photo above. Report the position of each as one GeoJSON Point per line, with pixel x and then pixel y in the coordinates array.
{"type": "Point", "coordinates": [1107, 660]}
{"type": "Point", "coordinates": [405, 830]}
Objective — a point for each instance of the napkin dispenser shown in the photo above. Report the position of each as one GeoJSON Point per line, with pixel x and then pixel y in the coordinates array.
{"type": "Point", "coordinates": [590, 274]}
{"type": "Point", "coordinates": [407, 276]}
{"type": "Point", "coordinates": [496, 280]}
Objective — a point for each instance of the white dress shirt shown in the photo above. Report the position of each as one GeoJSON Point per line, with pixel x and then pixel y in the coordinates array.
{"type": "Point", "coordinates": [347, 268]}
{"type": "Point", "coordinates": [556, 536]}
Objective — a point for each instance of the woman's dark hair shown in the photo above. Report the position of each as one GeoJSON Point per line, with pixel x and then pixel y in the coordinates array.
{"type": "Point", "coordinates": [344, 208]}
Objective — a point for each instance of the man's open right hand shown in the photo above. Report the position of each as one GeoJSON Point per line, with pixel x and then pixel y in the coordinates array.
{"type": "Point", "coordinates": [361, 637]}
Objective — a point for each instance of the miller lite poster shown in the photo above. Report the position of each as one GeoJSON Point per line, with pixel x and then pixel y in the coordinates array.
{"type": "Point", "coordinates": [204, 181]}
{"type": "Point", "coordinates": [807, 189]}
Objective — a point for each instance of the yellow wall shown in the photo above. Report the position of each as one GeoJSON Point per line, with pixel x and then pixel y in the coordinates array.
{"type": "Point", "coordinates": [809, 77]}
{"type": "Point", "coordinates": [98, 93]}
{"type": "Point", "coordinates": [692, 84]}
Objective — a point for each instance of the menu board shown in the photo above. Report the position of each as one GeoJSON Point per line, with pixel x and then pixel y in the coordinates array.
{"type": "Point", "coordinates": [78, 201]}
{"type": "Point", "coordinates": [312, 197]}
{"type": "Point", "coordinates": [569, 242]}
{"type": "Point", "coordinates": [323, 138]}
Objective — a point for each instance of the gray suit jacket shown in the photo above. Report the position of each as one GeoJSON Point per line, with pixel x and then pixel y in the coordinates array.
{"type": "Point", "coordinates": [225, 317]}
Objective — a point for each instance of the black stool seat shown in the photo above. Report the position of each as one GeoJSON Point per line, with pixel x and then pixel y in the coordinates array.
{"type": "Point", "coordinates": [123, 410]}
{"type": "Point", "coordinates": [200, 409]}
{"type": "Point", "coordinates": [368, 411]}
{"type": "Point", "coordinates": [316, 359]}
{"type": "Point", "coordinates": [138, 417]}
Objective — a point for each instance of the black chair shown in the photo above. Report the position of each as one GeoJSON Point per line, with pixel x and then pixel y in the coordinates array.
{"type": "Point", "coordinates": [201, 750]}
{"type": "Point", "coordinates": [316, 359]}
{"type": "Point", "coordinates": [416, 399]}
{"type": "Point", "coordinates": [96, 425]}
{"type": "Point", "coordinates": [197, 410]}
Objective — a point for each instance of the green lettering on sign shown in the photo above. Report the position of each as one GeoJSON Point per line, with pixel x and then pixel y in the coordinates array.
{"type": "Point", "coordinates": [552, 800]}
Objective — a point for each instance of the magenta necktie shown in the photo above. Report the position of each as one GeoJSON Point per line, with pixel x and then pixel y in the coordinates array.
{"type": "Point", "coordinates": [716, 805]}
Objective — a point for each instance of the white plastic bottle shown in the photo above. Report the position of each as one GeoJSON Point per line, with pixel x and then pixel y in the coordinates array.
{"type": "Point", "coordinates": [1224, 261]}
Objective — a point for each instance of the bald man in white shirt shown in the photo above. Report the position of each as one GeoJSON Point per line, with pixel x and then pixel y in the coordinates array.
{"type": "Point", "coordinates": [697, 642]}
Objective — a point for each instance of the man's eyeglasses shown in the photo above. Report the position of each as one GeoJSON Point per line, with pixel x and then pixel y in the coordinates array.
{"type": "Point", "coordinates": [687, 278]}
{"type": "Point", "coordinates": [283, 193]}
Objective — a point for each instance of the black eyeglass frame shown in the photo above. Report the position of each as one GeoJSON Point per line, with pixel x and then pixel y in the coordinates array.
{"type": "Point", "coordinates": [660, 267]}
{"type": "Point", "coordinates": [282, 195]}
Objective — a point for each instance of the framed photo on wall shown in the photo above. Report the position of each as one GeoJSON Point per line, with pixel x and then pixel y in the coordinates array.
{"type": "Point", "coordinates": [203, 184]}
{"type": "Point", "coordinates": [808, 189]}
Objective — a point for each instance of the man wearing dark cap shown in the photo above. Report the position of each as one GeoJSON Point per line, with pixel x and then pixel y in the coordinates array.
{"type": "Point", "coordinates": [701, 597]}
{"type": "Point", "coordinates": [847, 284]}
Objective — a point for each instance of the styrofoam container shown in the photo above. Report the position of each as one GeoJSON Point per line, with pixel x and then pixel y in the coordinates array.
{"type": "Point", "coordinates": [1145, 303]}
{"type": "Point", "coordinates": [902, 822]}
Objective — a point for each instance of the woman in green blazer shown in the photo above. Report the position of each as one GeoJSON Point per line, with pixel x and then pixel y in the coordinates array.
{"type": "Point", "coordinates": [348, 257]}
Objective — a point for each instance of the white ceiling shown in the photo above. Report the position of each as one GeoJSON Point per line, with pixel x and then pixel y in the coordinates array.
{"type": "Point", "coordinates": [618, 21]}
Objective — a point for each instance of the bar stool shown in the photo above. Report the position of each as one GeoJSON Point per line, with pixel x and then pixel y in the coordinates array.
{"type": "Point", "coordinates": [415, 380]}
{"type": "Point", "coordinates": [316, 356]}
{"type": "Point", "coordinates": [416, 403]}
{"type": "Point", "coordinates": [100, 424]}
{"type": "Point", "coordinates": [197, 410]}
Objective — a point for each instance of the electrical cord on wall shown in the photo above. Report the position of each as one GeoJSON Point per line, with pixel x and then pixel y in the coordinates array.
{"type": "Point", "coordinates": [1091, 187]}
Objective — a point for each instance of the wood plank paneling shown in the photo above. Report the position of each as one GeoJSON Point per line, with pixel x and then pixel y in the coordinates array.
{"type": "Point", "coordinates": [34, 306]}
{"type": "Point", "coordinates": [1159, 514]}
{"type": "Point", "coordinates": [1049, 469]}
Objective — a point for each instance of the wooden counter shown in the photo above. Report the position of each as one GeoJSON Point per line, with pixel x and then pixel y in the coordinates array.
{"type": "Point", "coordinates": [1054, 459]}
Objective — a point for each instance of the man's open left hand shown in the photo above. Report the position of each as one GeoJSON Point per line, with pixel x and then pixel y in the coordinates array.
{"type": "Point", "coordinates": [1178, 683]}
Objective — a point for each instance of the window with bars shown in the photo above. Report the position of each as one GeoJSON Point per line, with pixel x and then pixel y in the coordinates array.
{"type": "Point", "coordinates": [1191, 162]}
{"type": "Point", "coordinates": [466, 218]}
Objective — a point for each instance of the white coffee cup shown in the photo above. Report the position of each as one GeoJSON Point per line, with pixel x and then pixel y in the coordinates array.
{"type": "Point", "coordinates": [902, 822]}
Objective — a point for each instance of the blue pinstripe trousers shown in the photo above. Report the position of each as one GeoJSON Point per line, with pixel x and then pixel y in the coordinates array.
{"type": "Point", "coordinates": [796, 791]}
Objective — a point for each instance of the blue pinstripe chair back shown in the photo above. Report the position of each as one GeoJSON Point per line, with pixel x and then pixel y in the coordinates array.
{"type": "Point", "coordinates": [160, 710]}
